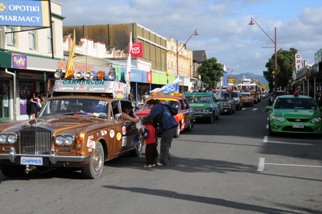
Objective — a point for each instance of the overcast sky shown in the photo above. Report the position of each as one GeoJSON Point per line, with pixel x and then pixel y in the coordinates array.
{"type": "Point", "coordinates": [222, 25]}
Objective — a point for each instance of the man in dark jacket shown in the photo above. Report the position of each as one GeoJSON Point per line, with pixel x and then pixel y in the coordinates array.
{"type": "Point", "coordinates": [168, 131]}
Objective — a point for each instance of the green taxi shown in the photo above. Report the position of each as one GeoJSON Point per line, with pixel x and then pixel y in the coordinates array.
{"type": "Point", "coordinates": [204, 104]}
{"type": "Point", "coordinates": [295, 114]}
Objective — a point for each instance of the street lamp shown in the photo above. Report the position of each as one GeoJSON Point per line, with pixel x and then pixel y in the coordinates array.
{"type": "Point", "coordinates": [194, 33]}
{"type": "Point", "coordinates": [252, 22]}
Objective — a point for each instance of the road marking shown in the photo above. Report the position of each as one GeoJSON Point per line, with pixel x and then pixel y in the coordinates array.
{"type": "Point", "coordinates": [267, 126]}
{"type": "Point", "coordinates": [261, 164]}
{"type": "Point", "coordinates": [286, 164]}
{"type": "Point", "coordinates": [254, 109]}
{"type": "Point", "coordinates": [265, 140]}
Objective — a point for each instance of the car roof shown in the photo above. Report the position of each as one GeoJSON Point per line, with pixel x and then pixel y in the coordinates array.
{"type": "Point", "coordinates": [292, 96]}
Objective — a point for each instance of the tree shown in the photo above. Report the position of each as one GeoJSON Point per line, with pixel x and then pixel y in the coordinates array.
{"type": "Point", "coordinates": [210, 71]}
{"type": "Point", "coordinates": [285, 68]}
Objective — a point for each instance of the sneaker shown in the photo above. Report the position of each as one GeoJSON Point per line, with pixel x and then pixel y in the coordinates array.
{"type": "Point", "coordinates": [159, 164]}
{"type": "Point", "coordinates": [147, 166]}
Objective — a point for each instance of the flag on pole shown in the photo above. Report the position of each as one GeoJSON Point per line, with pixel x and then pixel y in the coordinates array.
{"type": "Point", "coordinates": [128, 67]}
{"type": "Point", "coordinates": [169, 88]}
{"type": "Point", "coordinates": [70, 61]}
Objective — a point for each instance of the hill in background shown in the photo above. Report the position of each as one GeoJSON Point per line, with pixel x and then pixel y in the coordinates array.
{"type": "Point", "coordinates": [239, 77]}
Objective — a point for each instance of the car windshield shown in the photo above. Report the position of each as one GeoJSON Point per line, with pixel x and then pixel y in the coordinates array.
{"type": "Point", "coordinates": [172, 103]}
{"type": "Point", "coordinates": [295, 103]}
{"type": "Point", "coordinates": [225, 96]}
{"type": "Point", "coordinates": [200, 99]}
{"type": "Point", "coordinates": [73, 106]}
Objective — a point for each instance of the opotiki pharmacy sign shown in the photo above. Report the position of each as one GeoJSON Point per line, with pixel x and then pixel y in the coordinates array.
{"type": "Point", "coordinates": [24, 13]}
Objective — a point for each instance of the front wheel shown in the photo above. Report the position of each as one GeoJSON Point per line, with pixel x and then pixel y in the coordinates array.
{"type": "Point", "coordinates": [95, 167]}
{"type": "Point", "coordinates": [138, 148]}
{"type": "Point", "coordinates": [12, 171]}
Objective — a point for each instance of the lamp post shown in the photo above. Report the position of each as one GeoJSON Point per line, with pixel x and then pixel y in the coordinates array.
{"type": "Point", "coordinates": [252, 22]}
{"type": "Point", "coordinates": [194, 33]}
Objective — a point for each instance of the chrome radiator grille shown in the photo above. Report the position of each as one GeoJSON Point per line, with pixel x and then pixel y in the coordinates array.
{"type": "Point", "coordinates": [35, 140]}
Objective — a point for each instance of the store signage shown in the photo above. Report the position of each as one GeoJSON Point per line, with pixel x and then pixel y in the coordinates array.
{"type": "Point", "coordinates": [298, 62]}
{"type": "Point", "coordinates": [19, 61]}
{"type": "Point", "coordinates": [137, 50]}
{"type": "Point", "coordinates": [24, 13]}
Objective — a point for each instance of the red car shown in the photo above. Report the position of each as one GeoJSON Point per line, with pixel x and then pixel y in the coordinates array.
{"type": "Point", "coordinates": [185, 116]}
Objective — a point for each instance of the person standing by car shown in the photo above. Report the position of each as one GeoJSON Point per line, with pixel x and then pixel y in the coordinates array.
{"type": "Point", "coordinates": [168, 130]}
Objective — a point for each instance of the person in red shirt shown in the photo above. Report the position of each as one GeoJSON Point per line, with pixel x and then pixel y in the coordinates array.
{"type": "Point", "coordinates": [150, 136]}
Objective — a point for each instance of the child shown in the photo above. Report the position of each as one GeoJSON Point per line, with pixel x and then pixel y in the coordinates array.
{"type": "Point", "coordinates": [151, 152]}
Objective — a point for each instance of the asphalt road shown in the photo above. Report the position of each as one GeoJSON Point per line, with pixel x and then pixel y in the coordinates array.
{"type": "Point", "coordinates": [230, 166]}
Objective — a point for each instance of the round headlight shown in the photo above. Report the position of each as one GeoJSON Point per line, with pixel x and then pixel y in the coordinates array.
{"type": "Point", "coordinates": [111, 75]}
{"type": "Point", "coordinates": [88, 75]}
{"type": "Point", "coordinates": [69, 140]}
{"type": "Point", "coordinates": [59, 140]}
{"type": "Point", "coordinates": [78, 75]}
{"type": "Point", "coordinates": [12, 138]}
{"type": "Point", "coordinates": [58, 74]}
{"type": "Point", "coordinates": [3, 138]}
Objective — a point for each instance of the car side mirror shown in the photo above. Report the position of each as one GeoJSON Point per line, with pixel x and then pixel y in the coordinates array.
{"type": "Point", "coordinates": [118, 116]}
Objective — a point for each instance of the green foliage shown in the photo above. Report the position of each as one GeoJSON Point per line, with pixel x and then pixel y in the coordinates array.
{"type": "Point", "coordinates": [210, 71]}
{"type": "Point", "coordinates": [285, 68]}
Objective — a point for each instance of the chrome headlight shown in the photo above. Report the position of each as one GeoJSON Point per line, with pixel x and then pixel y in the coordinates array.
{"type": "Point", "coordinates": [78, 75]}
{"type": "Point", "coordinates": [279, 119]}
{"type": "Point", "coordinates": [3, 138]}
{"type": "Point", "coordinates": [67, 140]}
{"type": "Point", "coordinates": [58, 74]}
{"type": "Point", "coordinates": [59, 140]}
{"type": "Point", "coordinates": [316, 120]}
{"type": "Point", "coordinates": [10, 138]}
{"type": "Point", "coordinates": [112, 74]}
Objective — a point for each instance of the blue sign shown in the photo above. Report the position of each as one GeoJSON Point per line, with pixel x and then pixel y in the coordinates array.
{"type": "Point", "coordinates": [24, 13]}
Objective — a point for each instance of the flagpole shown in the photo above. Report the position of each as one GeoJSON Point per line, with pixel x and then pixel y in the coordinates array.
{"type": "Point", "coordinates": [128, 67]}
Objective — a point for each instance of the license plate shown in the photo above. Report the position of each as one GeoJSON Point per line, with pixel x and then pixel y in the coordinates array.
{"type": "Point", "coordinates": [31, 161]}
{"type": "Point", "coordinates": [298, 126]}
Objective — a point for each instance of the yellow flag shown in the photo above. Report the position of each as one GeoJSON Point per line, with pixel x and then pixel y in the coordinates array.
{"type": "Point", "coordinates": [70, 61]}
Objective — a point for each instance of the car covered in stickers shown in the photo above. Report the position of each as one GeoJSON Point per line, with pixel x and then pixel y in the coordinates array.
{"type": "Point", "coordinates": [79, 127]}
{"type": "Point", "coordinates": [185, 116]}
{"type": "Point", "coordinates": [204, 104]}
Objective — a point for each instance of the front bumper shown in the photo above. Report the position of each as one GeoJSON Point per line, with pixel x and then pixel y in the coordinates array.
{"type": "Point", "coordinates": [300, 128]}
{"type": "Point", "coordinates": [53, 159]}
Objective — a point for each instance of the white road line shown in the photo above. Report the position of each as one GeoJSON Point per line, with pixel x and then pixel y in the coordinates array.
{"type": "Point", "coordinates": [261, 164]}
{"type": "Point", "coordinates": [265, 140]}
{"type": "Point", "coordinates": [267, 126]}
{"type": "Point", "coordinates": [286, 164]}
{"type": "Point", "coordinates": [254, 109]}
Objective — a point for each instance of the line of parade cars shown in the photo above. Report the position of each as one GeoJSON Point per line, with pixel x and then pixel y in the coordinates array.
{"type": "Point", "coordinates": [197, 106]}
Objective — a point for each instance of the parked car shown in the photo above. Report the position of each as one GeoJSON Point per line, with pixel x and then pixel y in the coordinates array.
{"type": "Point", "coordinates": [237, 100]}
{"type": "Point", "coordinates": [204, 105]}
{"type": "Point", "coordinates": [185, 116]}
{"type": "Point", "coordinates": [247, 100]}
{"type": "Point", "coordinates": [227, 103]}
{"type": "Point", "coordinates": [295, 114]}
{"type": "Point", "coordinates": [80, 127]}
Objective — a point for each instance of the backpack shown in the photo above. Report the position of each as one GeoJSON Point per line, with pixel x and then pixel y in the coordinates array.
{"type": "Point", "coordinates": [158, 122]}
{"type": "Point", "coordinates": [172, 110]}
